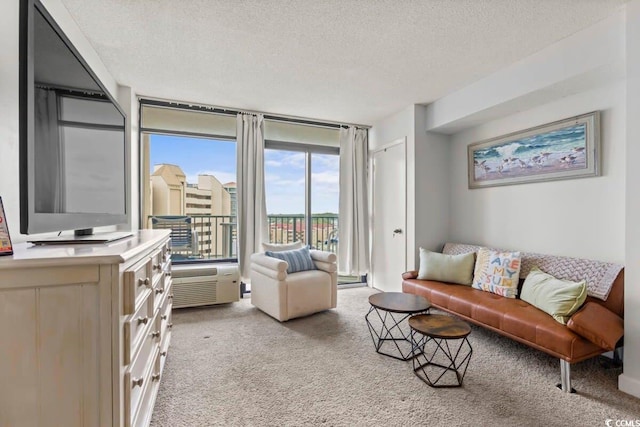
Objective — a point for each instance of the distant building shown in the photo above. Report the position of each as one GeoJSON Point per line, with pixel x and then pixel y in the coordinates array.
{"type": "Point", "coordinates": [207, 201]}
{"type": "Point", "coordinates": [231, 189]}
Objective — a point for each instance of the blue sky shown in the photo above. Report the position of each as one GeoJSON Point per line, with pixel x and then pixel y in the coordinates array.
{"type": "Point", "coordinates": [284, 171]}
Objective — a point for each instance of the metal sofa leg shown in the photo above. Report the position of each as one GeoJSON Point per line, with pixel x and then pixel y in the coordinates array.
{"type": "Point", "coordinates": [565, 377]}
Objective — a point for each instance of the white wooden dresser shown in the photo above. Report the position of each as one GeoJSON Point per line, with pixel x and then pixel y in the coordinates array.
{"type": "Point", "coordinates": [84, 331]}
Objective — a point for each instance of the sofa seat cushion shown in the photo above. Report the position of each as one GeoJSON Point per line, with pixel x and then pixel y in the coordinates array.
{"type": "Point", "coordinates": [511, 317]}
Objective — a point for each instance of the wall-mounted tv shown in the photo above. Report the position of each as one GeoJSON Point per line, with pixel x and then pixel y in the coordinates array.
{"type": "Point", "coordinates": [72, 135]}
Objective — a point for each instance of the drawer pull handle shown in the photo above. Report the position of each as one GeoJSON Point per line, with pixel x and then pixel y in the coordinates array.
{"type": "Point", "coordinates": [155, 377]}
{"type": "Point", "coordinates": [170, 325]}
{"type": "Point", "coordinates": [163, 317]}
{"type": "Point", "coordinates": [143, 282]}
{"type": "Point", "coordinates": [170, 296]}
{"type": "Point", "coordinates": [168, 274]}
{"type": "Point", "coordinates": [143, 320]}
{"type": "Point", "coordinates": [137, 382]}
{"type": "Point", "coordinates": [156, 267]}
{"type": "Point", "coordinates": [168, 250]}
{"type": "Point", "coordinates": [163, 354]}
{"type": "Point", "coordinates": [159, 291]}
{"type": "Point", "coordinates": [155, 334]}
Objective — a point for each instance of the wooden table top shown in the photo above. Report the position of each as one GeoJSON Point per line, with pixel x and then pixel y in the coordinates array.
{"type": "Point", "coordinates": [399, 302]}
{"type": "Point", "coordinates": [440, 326]}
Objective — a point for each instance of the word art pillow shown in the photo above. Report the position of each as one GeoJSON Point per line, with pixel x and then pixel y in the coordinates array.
{"type": "Point", "coordinates": [497, 272]}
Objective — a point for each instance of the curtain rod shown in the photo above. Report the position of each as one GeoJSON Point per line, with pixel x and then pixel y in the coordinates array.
{"type": "Point", "coordinates": [234, 111]}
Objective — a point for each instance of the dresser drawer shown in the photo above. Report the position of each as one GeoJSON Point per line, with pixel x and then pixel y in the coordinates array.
{"type": "Point", "coordinates": [137, 279]}
{"type": "Point", "coordinates": [159, 291]}
{"type": "Point", "coordinates": [135, 326]}
{"type": "Point", "coordinates": [165, 312]}
{"type": "Point", "coordinates": [139, 373]}
{"type": "Point", "coordinates": [145, 410]}
{"type": "Point", "coordinates": [157, 264]}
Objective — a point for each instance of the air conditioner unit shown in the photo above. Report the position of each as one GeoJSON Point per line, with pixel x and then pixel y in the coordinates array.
{"type": "Point", "coordinates": [195, 285]}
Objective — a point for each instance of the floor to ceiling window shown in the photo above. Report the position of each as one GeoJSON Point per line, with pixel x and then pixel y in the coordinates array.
{"type": "Point", "coordinates": [188, 181]}
{"type": "Point", "coordinates": [301, 185]}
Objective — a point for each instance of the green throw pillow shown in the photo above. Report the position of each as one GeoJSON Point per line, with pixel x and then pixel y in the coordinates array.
{"type": "Point", "coordinates": [446, 268]}
{"type": "Point", "coordinates": [557, 297]}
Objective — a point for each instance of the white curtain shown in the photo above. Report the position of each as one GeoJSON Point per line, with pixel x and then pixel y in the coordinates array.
{"type": "Point", "coordinates": [252, 209]}
{"type": "Point", "coordinates": [353, 232]}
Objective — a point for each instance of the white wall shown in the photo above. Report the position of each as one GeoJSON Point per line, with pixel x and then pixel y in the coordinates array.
{"type": "Point", "coordinates": [384, 132]}
{"type": "Point", "coordinates": [630, 379]}
{"type": "Point", "coordinates": [427, 178]}
{"type": "Point", "coordinates": [578, 217]}
{"type": "Point", "coordinates": [432, 198]}
{"type": "Point", "coordinates": [9, 63]}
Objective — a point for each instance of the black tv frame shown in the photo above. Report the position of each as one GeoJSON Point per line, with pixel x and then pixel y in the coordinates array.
{"type": "Point", "coordinates": [30, 221]}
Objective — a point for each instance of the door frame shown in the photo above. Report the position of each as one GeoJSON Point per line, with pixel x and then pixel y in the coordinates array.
{"type": "Point", "coordinates": [384, 147]}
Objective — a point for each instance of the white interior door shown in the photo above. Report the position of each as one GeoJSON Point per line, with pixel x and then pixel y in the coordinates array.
{"type": "Point", "coordinates": [389, 251]}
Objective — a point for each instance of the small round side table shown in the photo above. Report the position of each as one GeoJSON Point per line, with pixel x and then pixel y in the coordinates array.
{"type": "Point", "coordinates": [440, 346]}
{"type": "Point", "coordinates": [386, 321]}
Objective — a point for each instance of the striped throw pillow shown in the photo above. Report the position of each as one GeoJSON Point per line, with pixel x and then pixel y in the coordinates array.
{"type": "Point", "coordinates": [298, 260]}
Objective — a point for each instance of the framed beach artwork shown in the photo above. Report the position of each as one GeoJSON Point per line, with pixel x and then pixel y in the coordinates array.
{"type": "Point", "coordinates": [564, 149]}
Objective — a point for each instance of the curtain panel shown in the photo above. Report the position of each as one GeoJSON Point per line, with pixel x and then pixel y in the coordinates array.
{"type": "Point", "coordinates": [252, 209]}
{"type": "Point", "coordinates": [353, 232]}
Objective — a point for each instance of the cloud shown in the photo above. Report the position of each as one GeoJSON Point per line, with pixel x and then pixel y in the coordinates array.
{"type": "Point", "coordinates": [280, 158]}
{"type": "Point", "coordinates": [326, 162]}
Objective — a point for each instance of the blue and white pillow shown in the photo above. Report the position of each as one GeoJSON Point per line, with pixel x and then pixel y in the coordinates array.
{"type": "Point", "coordinates": [298, 260]}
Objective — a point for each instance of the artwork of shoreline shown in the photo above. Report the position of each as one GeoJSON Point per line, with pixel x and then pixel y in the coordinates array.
{"type": "Point", "coordinates": [556, 151]}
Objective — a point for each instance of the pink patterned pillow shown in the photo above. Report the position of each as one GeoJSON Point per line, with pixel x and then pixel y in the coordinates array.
{"type": "Point", "coordinates": [497, 272]}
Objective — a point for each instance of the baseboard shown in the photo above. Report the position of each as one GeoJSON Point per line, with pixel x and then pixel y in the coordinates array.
{"type": "Point", "coordinates": [352, 285]}
{"type": "Point", "coordinates": [629, 385]}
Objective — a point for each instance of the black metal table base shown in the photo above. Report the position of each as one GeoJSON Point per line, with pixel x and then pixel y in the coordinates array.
{"type": "Point", "coordinates": [433, 358]}
{"type": "Point", "coordinates": [392, 331]}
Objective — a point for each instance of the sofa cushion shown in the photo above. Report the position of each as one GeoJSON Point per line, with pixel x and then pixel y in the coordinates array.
{"type": "Point", "coordinates": [597, 324]}
{"type": "Point", "coordinates": [497, 272]}
{"type": "Point", "coordinates": [297, 260]}
{"type": "Point", "coordinates": [557, 297]}
{"type": "Point", "coordinates": [279, 247]}
{"type": "Point", "coordinates": [446, 268]}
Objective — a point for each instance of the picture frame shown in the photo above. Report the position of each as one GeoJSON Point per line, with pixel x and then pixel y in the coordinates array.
{"type": "Point", "coordinates": [566, 149]}
{"type": "Point", "coordinates": [6, 248]}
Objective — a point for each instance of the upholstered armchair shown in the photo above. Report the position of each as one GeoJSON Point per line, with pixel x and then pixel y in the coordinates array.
{"type": "Point", "coordinates": [285, 295]}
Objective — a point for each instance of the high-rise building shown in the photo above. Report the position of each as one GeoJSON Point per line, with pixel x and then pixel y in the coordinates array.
{"type": "Point", "coordinates": [207, 202]}
{"type": "Point", "coordinates": [231, 189]}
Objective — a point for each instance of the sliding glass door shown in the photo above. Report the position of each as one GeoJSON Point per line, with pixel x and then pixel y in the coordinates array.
{"type": "Point", "coordinates": [302, 193]}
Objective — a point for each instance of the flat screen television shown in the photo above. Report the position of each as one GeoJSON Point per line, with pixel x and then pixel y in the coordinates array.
{"type": "Point", "coordinates": [72, 135]}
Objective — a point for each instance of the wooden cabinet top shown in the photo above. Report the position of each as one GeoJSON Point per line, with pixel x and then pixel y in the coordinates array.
{"type": "Point", "coordinates": [28, 255]}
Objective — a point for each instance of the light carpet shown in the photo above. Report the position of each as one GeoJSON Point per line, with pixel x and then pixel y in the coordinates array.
{"type": "Point", "coordinates": [233, 365]}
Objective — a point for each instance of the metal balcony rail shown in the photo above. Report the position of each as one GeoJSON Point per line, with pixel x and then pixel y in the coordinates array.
{"type": "Point", "coordinates": [217, 234]}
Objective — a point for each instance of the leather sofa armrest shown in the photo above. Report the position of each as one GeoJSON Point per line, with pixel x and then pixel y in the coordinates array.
{"type": "Point", "coordinates": [410, 275]}
{"type": "Point", "coordinates": [597, 324]}
{"type": "Point", "coordinates": [323, 256]}
{"type": "Point", "coordinates": [271, 263]}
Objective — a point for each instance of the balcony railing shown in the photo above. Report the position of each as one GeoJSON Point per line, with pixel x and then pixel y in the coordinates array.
{"type": "Point", "coordinates": [217, 234]}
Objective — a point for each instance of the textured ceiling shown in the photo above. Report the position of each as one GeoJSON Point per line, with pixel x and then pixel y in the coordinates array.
{"type": "Point", "coordinates": [346, 60]}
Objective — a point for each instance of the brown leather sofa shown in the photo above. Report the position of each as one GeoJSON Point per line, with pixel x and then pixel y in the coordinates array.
{"type": "Point", "coordinates": [600, 321]}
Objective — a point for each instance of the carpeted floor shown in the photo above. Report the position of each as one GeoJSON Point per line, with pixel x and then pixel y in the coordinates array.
{"type": "Point", "coordinates": [233, 365]}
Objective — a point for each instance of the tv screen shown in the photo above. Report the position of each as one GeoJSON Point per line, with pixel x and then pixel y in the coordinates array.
{"type": "Point", "coordinates": [72, 148]}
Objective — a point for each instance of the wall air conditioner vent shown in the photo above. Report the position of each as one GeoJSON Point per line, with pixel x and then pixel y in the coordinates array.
{"type": "Point", "coordinates": [195, 285]}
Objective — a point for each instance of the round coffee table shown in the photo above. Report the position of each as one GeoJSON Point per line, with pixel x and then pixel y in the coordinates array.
{"type": "Point", "coordinates": [433, 354]}
{"type": "Point", "coordinates": [388, 324]}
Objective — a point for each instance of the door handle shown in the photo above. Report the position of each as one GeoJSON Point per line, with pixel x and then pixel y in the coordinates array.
{"type": "Point", "coordinates": [397, 231]}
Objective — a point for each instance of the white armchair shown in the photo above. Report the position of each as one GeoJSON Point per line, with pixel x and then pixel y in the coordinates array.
{"type": "Point", "coordinates": [287, 296]}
